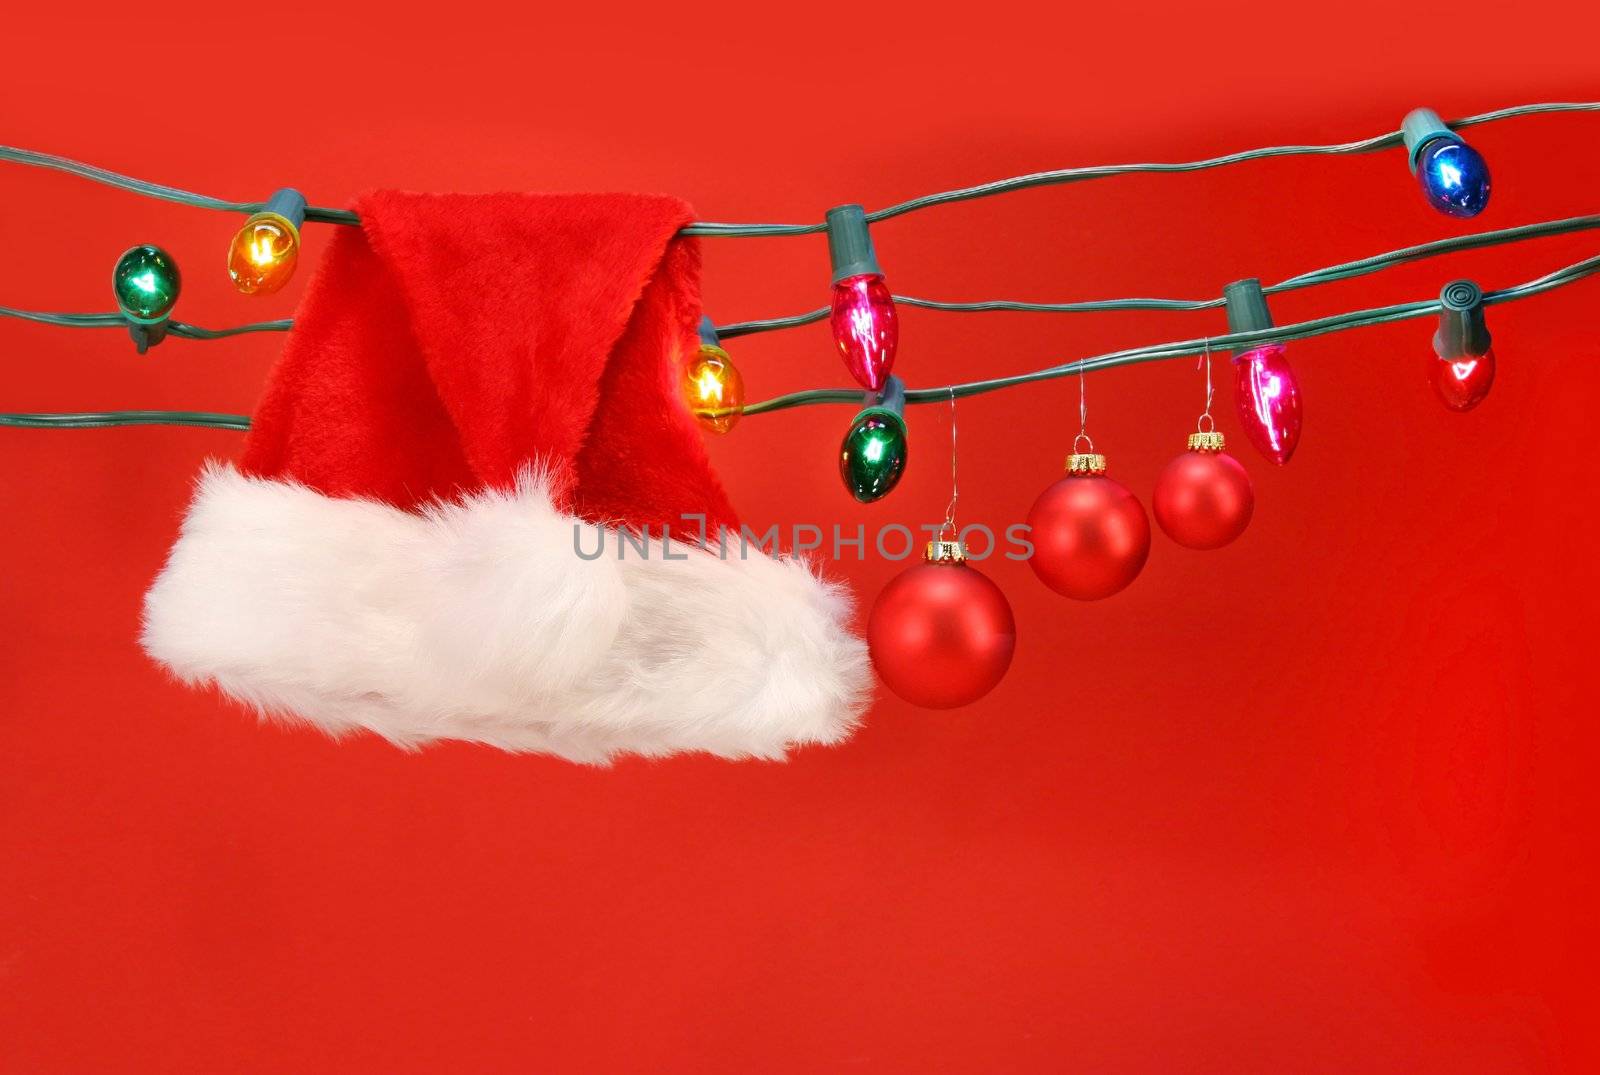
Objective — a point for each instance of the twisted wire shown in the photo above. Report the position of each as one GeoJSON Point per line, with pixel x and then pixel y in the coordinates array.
{"type": "Point", "coordinates": [1054, 177]}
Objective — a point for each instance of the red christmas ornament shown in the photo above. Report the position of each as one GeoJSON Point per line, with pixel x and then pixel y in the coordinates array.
{"type": "Point", "coordinates": [1203, 497]}
{"type": "Point", "coordinates": [941, 634]}
{"type": "Point", "coordinates": [1090, 534]}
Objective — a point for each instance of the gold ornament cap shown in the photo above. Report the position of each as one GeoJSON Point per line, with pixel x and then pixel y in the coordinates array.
{"type": "Point", "coordinates": [1207, 441]}
{"type": "Point", "coordinates": [945, 552]}
{"type": "Point", "coordinates": [1086, 463]}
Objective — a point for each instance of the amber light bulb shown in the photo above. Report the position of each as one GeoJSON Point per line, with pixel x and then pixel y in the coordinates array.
{"type": "Point", "coordinates": [712, 386]}
{"type": "Point", "coordinates": [264, 253]}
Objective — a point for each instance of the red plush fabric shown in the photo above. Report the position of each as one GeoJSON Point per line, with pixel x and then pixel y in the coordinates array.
{"type": "Point", "coordinates": [454, 339]}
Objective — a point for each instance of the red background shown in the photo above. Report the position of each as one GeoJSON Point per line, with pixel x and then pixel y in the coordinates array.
{"type": "Point", "coordinates": [1319, 802]}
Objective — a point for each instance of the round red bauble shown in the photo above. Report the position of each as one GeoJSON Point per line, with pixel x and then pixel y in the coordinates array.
{"type": "Point", "coordinates": [941, 635]}
{"type": "Point", "coordinates": [1090, 536]}
{"type": "Point", "coordinates": [1203, 499]}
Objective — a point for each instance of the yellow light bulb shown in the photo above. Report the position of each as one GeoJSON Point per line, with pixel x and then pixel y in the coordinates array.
{"type": "Point", "coordinates": [713, 389]}
{"type": "Point", "coordinates": [262, 256]}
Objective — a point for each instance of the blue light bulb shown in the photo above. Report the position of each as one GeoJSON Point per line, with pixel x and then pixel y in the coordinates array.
{"type": "Point", "coordinates": [1453, 177]}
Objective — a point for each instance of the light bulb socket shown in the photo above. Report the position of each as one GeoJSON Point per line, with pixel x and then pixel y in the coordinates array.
{"type": "Point", "coordinates": [288, 204]}
{"type": "Point", "coordinates": [1463, 331]}
{"type": "Point", "coordinates": [708, 333]}
{"type": "Point", "coordinates": [1247, 310]}
{"type": "Point", "coordinates": [146, 336]}
{"type": "Point", "coordinates": [891, 401]}
{"type": "Point", "coordinates": [1420, 127]}
{"type": "Point", "coordinates": [850, 243]}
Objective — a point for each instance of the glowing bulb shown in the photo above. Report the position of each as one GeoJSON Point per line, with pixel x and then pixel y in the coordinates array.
{"type": "Point", "coordinates": [1265, 392]}
{"type": "Point", "coordinates": [1268, 401]}
{"type": "Point", "coordinates": [263, 255]}
{"type": "Point", "coordinates": [713, 389]}
{"type": "Point", "coordinates": [146, 282]}
{"type": "Point", "coordinates": [866, 328]}
{"type": "Point", "coordinates": [1453, 176]}
{"type": "Point", "coordinates": [1462, 383]}
{"type": "Point", "coordinates": [873, 455]}
{"type": "Point", "coordinates": [1462, 370]}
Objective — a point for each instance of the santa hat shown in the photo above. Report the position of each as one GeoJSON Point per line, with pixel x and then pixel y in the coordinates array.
{"type": "Point", "coordinates": [479, 392]}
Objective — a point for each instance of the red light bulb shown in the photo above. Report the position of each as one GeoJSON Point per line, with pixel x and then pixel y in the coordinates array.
{"type": "Point", "coordinates": [1463, 382]}
{"type": "Point", "coordinates": [865, 326]}
{"type": "Point", "coordinates": [1463, 369]}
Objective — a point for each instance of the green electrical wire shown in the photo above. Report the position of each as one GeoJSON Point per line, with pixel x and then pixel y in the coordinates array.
{"type": "Point", "coordinates": [1078, 175]}
{"type": "Point", "coordinates": [108, 419]}
{"type": "Point", "coordinates": [176, 328]}
{"type": "Point", "coordinates": [36, 159]}
{"type": "Point", "coordinates": [1185, 348]}
{"type": "Point", "coordinates": [1346, 271]}
{"type": "Point", "coordinates": [195, 332]}
{"type": "Point", "coordinates": [1154, 353]}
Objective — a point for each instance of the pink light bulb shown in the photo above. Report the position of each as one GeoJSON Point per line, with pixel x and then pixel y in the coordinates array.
{"type": "Point", "coordinates": [865, 328]}
{"type": "Point", "coordinates": [1268, 401]}
{"type": "Point", "coordinates": [1464, 380]}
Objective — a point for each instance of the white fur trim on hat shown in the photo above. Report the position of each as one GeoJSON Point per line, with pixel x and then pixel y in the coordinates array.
{"type": "Point", "coordinates": [478, 620]}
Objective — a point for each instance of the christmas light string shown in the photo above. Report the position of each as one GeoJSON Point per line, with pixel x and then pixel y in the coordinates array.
{"type": "Point", "coordinates": [1332, 274]}
{"type": "Point", "coordinates": [733, 330]}
{"type": "Point", "coordinates": [1151, 353]}
{"type": "Point", "coordinates": [982, 190]}
{"type": "Point", "coordinates": [942, 634]}
{"type": "Point", "coordinates": [1422, 134]}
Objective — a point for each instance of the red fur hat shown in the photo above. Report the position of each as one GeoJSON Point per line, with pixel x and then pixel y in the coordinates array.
{"type": "Point", "coordinates": [479, 392]}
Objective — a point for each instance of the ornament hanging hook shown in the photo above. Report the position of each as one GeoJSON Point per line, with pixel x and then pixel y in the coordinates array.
{"type": "Point", "coordinates": [1083, 413]}
{"type": "Point", "coordinates": [955, 488]}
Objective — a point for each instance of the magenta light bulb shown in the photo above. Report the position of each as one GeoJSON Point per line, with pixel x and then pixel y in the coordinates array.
{"type": "Point", "coordinates": [1265, 394]}
{"type": "Point", "coordinates": [865, 326]}
{"type": "Point", "coordinates": [1268, 401]}
{"type": "Point", "coordinates": [1463, 368]}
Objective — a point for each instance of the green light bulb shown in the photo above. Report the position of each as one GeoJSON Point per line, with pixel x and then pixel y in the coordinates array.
{"type": "Point", "coordinates": [146, 282]}
{"type": "Point", "coordinates": [873, 455]}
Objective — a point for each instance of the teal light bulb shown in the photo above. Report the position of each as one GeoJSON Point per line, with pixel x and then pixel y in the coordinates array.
{"type": "Point", "coordinates": [146, 282]}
